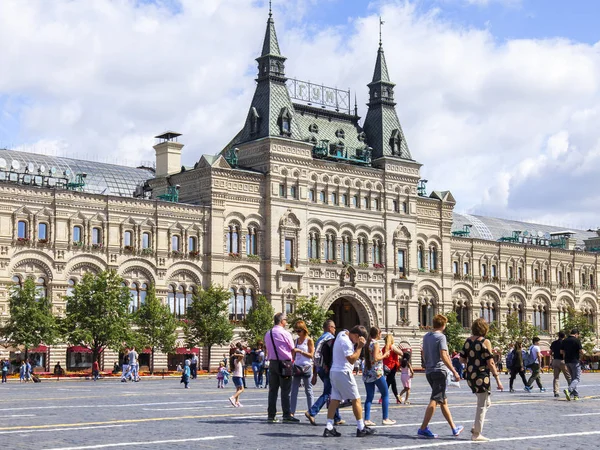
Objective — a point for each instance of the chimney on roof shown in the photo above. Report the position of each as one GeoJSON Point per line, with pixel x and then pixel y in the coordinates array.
{"type": "Point", "coordinates": [168, 154]}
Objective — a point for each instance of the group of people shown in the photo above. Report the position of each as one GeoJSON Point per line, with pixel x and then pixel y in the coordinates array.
{"type": "Point", "coordinates": [131, 366]}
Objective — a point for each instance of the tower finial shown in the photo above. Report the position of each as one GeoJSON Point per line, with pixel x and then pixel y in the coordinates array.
{"type": "Point", "coordinates": [355, 105]}
{"type": "Point", "coordinates": [270, 9]}
{"type": "Point", "coordinates": [381, 22]}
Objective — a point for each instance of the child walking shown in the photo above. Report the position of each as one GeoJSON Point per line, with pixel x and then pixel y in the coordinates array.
{"type": "Point", "coordinates": [221, 376]}
{"type": "Point", "coordinates": [406, 374]}
{"type": "Point", "coordinates": [237, 360]}
{"type": "Point", "coordinates": [185, 377]}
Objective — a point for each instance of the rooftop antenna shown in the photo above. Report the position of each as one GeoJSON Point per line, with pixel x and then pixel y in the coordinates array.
{"type": "Point", "coordinates": [355, 106]}
{"type": "Point", "coordinates": [270, 9]}
{"type": "Point", "coordinates": [381, 22]}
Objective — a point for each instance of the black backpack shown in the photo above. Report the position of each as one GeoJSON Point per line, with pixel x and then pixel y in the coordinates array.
{"type": "Point", "coordinates": [327, 354]}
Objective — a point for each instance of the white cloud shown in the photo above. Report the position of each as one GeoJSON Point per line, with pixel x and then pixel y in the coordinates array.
{"type": "Point", "coordinates": [508, 127]}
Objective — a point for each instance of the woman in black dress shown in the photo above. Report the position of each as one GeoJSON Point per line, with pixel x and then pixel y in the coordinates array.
{"type": "Point", "coordinates": [477, 355]}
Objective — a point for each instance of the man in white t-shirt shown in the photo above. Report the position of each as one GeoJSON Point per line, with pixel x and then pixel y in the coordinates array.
{"type": "Point", "coordinates": [536, 357]}
{"type": "Point", "coordinates": [343, 384]}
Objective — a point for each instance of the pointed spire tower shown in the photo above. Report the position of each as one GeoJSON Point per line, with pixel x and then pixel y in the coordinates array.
{"type": "Point", "coordinates": [271, 112]}
{"type": "Point", "coordinates": [382, 126]}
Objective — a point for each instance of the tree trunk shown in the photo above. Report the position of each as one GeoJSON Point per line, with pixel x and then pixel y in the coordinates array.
{"type": "Point", "coordinates": [208, 362]}
{"type": "Point", "coordinates": [26, 353]}
{"type": "Point", "coordinates": [152, 362]}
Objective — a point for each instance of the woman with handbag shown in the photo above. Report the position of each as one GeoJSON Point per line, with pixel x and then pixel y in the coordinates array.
{"type": "Point", "coordinates": [373, 377]}
{"type": "Point", "coordinates": [303, 365]}
{"type": "Point", "coordinates": [391, 364]}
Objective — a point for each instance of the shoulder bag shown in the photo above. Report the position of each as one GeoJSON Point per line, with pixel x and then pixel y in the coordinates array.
{"type": "Point", "coordinates": [286, 368]}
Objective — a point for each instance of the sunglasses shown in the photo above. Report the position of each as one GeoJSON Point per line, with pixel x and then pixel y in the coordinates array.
{"type": "Point", "coordinates": [298, 331]}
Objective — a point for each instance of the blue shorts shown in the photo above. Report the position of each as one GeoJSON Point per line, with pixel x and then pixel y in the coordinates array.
{"type": "Point", "coordinates": [237, 381]}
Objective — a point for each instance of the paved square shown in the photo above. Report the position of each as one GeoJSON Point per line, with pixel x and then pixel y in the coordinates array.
{"type": "Point", "coordinates": [157, 414]}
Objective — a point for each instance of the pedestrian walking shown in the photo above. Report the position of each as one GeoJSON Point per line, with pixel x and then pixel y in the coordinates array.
{"type": "Point", "coordinates": [279, 345]}
{"type": "Point", "coordinates": [237, 376]}
{"type": "Point", "coordinates": [572, 352]}
{"type": "Point", "coordinates": [477, 355]}
{"type": "Point", "coordinates": [133, 364]}
{"type": "Point", "coordinates": [437, 361]}
{"type": "Point", "coordinates": [343, 383]}
{"type": "Point", "coordinates": [266, 371]}
{"type": "Point", "coordinates": [303, 352]}
{"type": "Point", "coordinates": [406, 375]}
{"type": "Point", "coordinates": [27, 371]}
{"type": "Point", "coordinates": [321, 368]}
{"type": "Point", "coordinates": [558, 364]}
{"type": "Point", "coordinates": [185, 375]}
{"type": "Point", "coordinates": [516, 365]}
{"type": "Point", "coordinates": [95, 370]}
{"type": "Point", "coordinates": [391, 365]}
{"type": "Point", "coordinates": [22, 372]}
{"type": "Point", "coordinates": [258, 364]}
{"type": "Point", "coordinates": [5, 367]}
{"type": "Point", "coordinates": [373, 377]}
{"type": "Point", "coordinates": [534, 361]}
{"type": "Point", "coordinates": [194, 367]}
{"type": "Point", "coordinates": [221, 375]}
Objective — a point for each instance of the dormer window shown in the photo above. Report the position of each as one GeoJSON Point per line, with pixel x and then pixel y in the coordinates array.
{"type": "Point", "coordinates": [362, 137]}
{"type": "Point", "coordinates": [340, 134]}
{"type": "Point", "coordinates": [285, 122]}
{"type": "Point", "coordinates": [254, 120]}
{"type": "Point", "coordinates": [313, 128]}
{"type": "Point", "coordinates": [395, 142]}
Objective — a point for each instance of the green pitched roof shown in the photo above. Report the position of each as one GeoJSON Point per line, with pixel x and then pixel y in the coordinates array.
{"type": "Point", "coordinates": [381, 72]}
{"type": "Point", "coordinates": [270, 44]}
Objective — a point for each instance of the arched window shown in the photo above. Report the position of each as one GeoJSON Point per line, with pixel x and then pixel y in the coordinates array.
{"type": "Point", "coordinates": [484, 270]}
{"type": "Point", "coordinates": [314, 245]}
{"type": "Point", "coordinates": [404, 207]}
{"type": "Point", "coordinates": [128, 239]}
{"type": "Point", "coordinates": [22, 229]}
{"type": "Point", "coordinates": [433, 258]}
{"type": "Point", "coordinates": [355, 201]}
{"type": "Point", "coordinates": [179, 298]}
{"type": "Point", "coordinates": [563, 314]}
{"type": "Point", "coordinates": [366, 203]}
{"type": "Point", "coordinates": [427, 309]}
{"type": "Point", "coordinates": [376, 204]}
{"type": "Point", "coordinates": [41, 290]}
{"type": "Point", "coordinates": [466, 268]}
{"type": "Point", "coordinates": [515, 307]}
{"type": "Point", "coordinates": [511, 273]}
{"type": "Point", "coordinates": [146, 240]}
{"type": "Point", "coordinates": [42, 231]}
{"type": "Point", "coordinates": [420, 256]}
{"type": "Point", "coordinates": [462, 309]}
{"type": "Point", "coordinates": [520, 273]}
{"type": "Point", "coordinates": [311, 195]}
{"type": "Point", "coordinates": [77, 234]}
{"type": "Point", "coordinates": [334, 200]}
{"type": "Point", "coordinates": [137, 291]}
{"type": "Point", "coordinates": [293, 192]}
{"type": "Point", "coordinates": [545, 275]}
{"type": "Point", "coordinates": [96, 236]}
{"type": "Point", "coordinates": [344, 200]}
{"type": "Point", "coordinates": [346, 249]}
{"type": "Point", "coordinates": [330, 243]}
{"type": "Point", "coordinates": [233, 243]}
{"type": "Point", "coordinates": [361, 250]}
{"type": "Point", "coordinates": [175, 244]}
{"type": "Point", "coordinates": [240, 302]}
{"type": "Point", "coordinates": [540, 317]}
{"type": "Point", "coordinates": [251, 242]}
{"type": "Point", "coordinates": [488, 311]}
{"type": "Point", "coordinates": [322, 197]}
{"type": "Point", "coordinates": [71, 287]}
{"type": "Point", "coordinates": [560, 277]}
{"type": "Point", "coordinates": [377, 252]}
{"type": "Point", "coordinates": [401, 262]}
{"type": "Point", "coordinates": [192, 244]}
{"type": "Point", "coordinates": [494, 271]}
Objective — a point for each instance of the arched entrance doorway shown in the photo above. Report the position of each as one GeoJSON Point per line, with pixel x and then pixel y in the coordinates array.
{"type": "Point", "coordinates": [345, 314]}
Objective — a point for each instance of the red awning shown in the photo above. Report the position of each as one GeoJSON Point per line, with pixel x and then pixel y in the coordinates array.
{"type": "Point", "coordinates": [39, 349]}
{"type": "Point", "coordinates": [146, 350]}
{"type": "Point", "coordinates": [80, 349]}
{"type": "Point", "coordinates": [187, 351]}
{"type": "Point", "coordinates": [545, 352]}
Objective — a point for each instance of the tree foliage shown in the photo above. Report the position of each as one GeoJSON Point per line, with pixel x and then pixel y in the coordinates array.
{"type": "Point", "coordinates": [587, 336]}
{"type": "Point", "coordinates": [259, 320]}
{"type": "Point", "coordinates": [156, 325]}
{"type": "Point", "coordinates": [505, 335]}
{"type": "Point", "coordinates": [308, 310]}
{"type": "Point", "coordinates": [454, 332]}
{"type": "Point", "coordinates": [207, 323]}
{"type": "Point", "coordinates": [97, 313]}
{"type": "Point", "coordinates": [31, 321]}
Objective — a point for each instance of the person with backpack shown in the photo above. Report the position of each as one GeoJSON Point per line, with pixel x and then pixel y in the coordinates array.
{"type": "Point", "coordinates": [514, 363]}
{"type": "Point", "coordinates": [533, 360]}
{"type": "Point", "coordinates": [391, 364]}
{"type": "Point", "coordinates": [321, 368]}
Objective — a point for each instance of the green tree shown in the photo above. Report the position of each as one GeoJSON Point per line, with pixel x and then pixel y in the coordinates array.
{"type": "Point", "coordinates": [587, 336]}
{"type": "Point", "coordinates": [259, 320]}
{"type": "Point", "coordinates": [207, 323]}
{"type": "Point", "coordinates": [505, 335]}
{"type": "Point", "coordinates": [156, 325]}
{"type": "Point", "coordinates": [308, 309]}
{"type": "Point", "coordinates": [454, 332]}
{"type": "Point", "coordinates": [97, 313]}
{"type": "Point", "coordinates": [31, 321]}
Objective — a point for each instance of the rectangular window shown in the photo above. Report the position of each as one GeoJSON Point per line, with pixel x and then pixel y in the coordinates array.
{"type": "Point", "coordinates": [355, 201]}
{"type": "Point", "coordinates": [395, 206]}
{"type": "Point", "coordinates": [344, 200]}
{"type": "Point", "coordinates": [311, 195]}
{"type": "Point", "coordinates": [146, 240]}
{"type": "Point", "coordinates": [22, 229]}
{"type": "Point", "coordinates": [293, 192]}
{"type": "Point", "coordinates": [175, 243]}
{"type": "Point", "coordinates": [455, 267]}
{"type": "Point", "coordinates": [466, 268]}
{"type": "Point", "coordinates": [322, 197]}
{"type": "Point", "coordinates": [282, 190]}
{"type": "Point", "coordinates": [42, 231]}
{"type": "Point", "coordinates": [289, 253]}
{"type": "Point", "coordinates": [96, 239]}
{"type": "Point", "coordinates": [366, 203]}
{"type": "Point", "coordinates": [192, 244]}
{"type": "Point", "coordinates": [127, 238]}
{"type": "Point", "coordinates": [77, 234]}
{"type": "Point", "coordinates": [333, 198]}
{"type": "Point", "coordinates": [401, 267]}
{"type": "Point", "coordinates": [376, 204]}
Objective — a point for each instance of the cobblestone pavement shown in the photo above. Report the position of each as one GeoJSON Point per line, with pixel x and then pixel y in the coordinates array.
{"type": "Point", "coordinates": [160, 414]}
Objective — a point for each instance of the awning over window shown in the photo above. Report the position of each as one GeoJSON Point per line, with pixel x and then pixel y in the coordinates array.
{"type": "Point", "coordinates": [146, 350]}
{"type": "Point", "coordinates": [39, 349]}
{"type": "Point", "coordinates": [545, 352]}
{"type": "Point", "coordinates": [80, 349]}
{"type": "Point", "coordinates": [187, 351]}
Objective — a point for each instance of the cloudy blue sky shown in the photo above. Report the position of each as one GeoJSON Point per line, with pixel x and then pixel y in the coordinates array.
{"type": "Point", "coordinates": [500, 100]}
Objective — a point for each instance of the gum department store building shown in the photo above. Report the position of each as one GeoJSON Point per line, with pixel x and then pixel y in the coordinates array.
{"type": "Point", "coordinates": [303, 201]}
